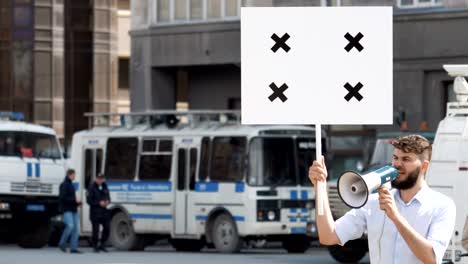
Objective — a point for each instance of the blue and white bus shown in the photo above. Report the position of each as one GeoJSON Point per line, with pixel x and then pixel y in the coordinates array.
{"type": "Point", "coordinates": [199, 178]}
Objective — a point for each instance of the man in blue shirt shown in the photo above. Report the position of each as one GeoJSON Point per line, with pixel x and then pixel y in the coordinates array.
{"type": "Point", "coordinates": [69, 204]}
{"type": "Point", "coordinates": [408, 224]}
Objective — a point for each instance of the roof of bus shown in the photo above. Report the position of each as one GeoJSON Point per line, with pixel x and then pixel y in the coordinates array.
{"type": "Point", "coordinates": [25, 127]}
{"type": "Point", "coordinates": [201, 129]}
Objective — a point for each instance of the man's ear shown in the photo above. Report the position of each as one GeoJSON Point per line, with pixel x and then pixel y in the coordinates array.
{"type": "Point", "coordinates": [425, 165]}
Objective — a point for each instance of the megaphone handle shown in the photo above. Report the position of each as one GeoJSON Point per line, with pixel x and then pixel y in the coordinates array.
{"type": "Point", "coordinates": [318, 154]}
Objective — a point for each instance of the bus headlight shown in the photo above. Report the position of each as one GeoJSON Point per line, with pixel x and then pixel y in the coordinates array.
{"type": "Point", "coordinates": [4, 206]}
{"type": "Point", "coordinates": [271, 215]}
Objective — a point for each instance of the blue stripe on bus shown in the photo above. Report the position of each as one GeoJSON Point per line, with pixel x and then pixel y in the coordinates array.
{"type": "Point", "coordinates": [118, 186]}
{"type": "Point", "coordinates": [298, 230]}
{"type": "Point", "coordinates": [304, 220]}
{"type": "Point", "coordinates": [29, 169]}
{"type": "Point", "coordinates": [38, 170]}
{"type": "Point", "coordinates": [293, 194]}
{"type": "Point", "coordinates": [206, 187]}
{"type": "Point", "coordinates": [293, 210]}
{"type": "Point", "coordinates": [304, 210]}
{"type": "Point", "coordinates": [237, 218]}
{"type": "Point", "coordinates": [292, 219]}
{"type": "Point", "coordinates": [201, 217]}
{"type": "Point", "coordinates": [304, 195]}
{"type": "Point", "coordinates": [151, 216]}
{"type": "Point", "coordinates": [240, 187]}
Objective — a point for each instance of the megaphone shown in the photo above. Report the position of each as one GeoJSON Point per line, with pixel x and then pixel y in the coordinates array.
{"type": "Point", "coordinates": [354, 188]}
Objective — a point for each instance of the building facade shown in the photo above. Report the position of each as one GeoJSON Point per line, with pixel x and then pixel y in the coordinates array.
{"type": "Point", "coordinates": [60, 59]}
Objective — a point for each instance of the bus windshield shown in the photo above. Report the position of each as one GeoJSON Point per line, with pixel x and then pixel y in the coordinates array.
{"type": "Point", "coordinates": [29, 145]}
{"type": "Point", "coordinates": [280, 161]}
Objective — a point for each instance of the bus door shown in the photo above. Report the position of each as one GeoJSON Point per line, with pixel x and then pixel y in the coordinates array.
{"type": "Point", "coordinates": [92, 157]}
{"type": "Point", "coordinates": [184, 181]}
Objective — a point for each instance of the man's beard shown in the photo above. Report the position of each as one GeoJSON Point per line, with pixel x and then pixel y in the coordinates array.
{"type": "Point", "coordinates": [409, 182]}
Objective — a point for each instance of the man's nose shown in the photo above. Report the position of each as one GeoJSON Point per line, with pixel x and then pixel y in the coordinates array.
{"type": "Point", "coordinates": [396, 164]}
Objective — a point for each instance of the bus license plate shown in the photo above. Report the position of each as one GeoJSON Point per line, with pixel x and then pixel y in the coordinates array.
{"type": "Point", "coordinates": [35, 207]}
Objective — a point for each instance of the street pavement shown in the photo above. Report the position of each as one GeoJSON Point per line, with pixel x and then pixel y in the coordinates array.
{"type": "Point", "coordinates": [11, 254]}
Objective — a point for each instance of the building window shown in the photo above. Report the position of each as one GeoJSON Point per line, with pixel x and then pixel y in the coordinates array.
{"type": "Point", "coordinates": [214, 8]}
{"type": "Point", "coordinates": [182, 11]}
{"type": "Point", "coordinates": [231, 8]}
{"type": "Point", "coordinates": [163, 10]}
{"type": "Point", "coordinates": [418, 3]}
{"type": "Point", "coordinates": [196, 9]}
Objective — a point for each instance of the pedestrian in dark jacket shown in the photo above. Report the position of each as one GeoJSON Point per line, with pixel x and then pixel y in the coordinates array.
{"type": "Point", "coordinates": [98, 199]}
{"type": "Point", "coordinates": [69, 205]}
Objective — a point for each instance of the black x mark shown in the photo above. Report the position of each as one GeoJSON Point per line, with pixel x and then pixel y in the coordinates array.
{"type": "Point", "coordinates": [278, 92]}
{"type": "Point", "coordinates": [280, 42]}
{"type": "Point", "coordinates": [353, 91]}
{"type": "Point", "coordinates": [354, 42]}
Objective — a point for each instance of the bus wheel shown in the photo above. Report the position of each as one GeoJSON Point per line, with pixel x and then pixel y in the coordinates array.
{"type": "Point", "coordinates": [122, 234]}
{"type": "Point", "coordinates": [35, 237]}
{"type": "Point", "coordinates": [225, 236]}
{"type": "Point", "coordinates": [352, 252]}
{"type": "Point", "coordinates": [296, 244]}
{"type": "Point", "coordinates": [191, 245]}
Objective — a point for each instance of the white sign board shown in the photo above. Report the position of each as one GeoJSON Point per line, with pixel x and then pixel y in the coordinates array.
{"type": "Point", "coordinates": [307, 65]}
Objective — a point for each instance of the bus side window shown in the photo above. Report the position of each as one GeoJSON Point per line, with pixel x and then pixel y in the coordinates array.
{"type": "Point", "coordinates": [98, 161]}
{"type": "Point", "coordinates": [193, 168]}
{"type": "Point", "coordinates": [228, 159]}
{"type": "Point", "coordinates": [88, 169]}
{"type": "Point", "coordinates": [155, 163]}
{"type": "Point", "coordinates": [121, 157]}
{"type": "Point", "coordinates": [204, 159]}
{"type": "Point", "coordinates": [181, 169]}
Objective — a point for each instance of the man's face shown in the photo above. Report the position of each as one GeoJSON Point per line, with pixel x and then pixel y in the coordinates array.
{"type": "Point", "coordinates": [72, 176]}
{"type": "Point", "coordinates": [409, 168]}
{"type": "Point", "coordinates": [99, 180]}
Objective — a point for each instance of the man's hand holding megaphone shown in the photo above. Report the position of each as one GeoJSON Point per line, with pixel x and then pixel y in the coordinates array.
{"type": "Point", "coordinates": [387, 203]}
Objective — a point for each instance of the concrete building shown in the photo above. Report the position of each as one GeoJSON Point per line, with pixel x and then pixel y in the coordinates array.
{"type": "Point", "coordinates": [60, 59]}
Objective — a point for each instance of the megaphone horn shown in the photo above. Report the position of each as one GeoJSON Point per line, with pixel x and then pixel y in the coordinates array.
{"type": "Point", "coordinates": [354, 188]}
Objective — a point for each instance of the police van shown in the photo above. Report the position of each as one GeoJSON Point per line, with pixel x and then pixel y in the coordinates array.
{"type": "Point", "coordinates": [448, 170]}
{"type": "Point", "coordinates": [199, 178]}
{"type": "Point", "coordinates": [31, 170]}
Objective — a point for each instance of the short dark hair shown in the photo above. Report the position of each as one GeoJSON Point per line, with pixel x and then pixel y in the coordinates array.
{"type": "Point", "coordinates": [416, 144]}
{"type": "Point", "coordinates": [70, 172]}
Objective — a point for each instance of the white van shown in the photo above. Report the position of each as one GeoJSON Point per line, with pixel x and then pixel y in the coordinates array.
{"type": "Point", "coordinates": [31, 170]}
{"type": "Point", "coordinates": [448, 170]}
